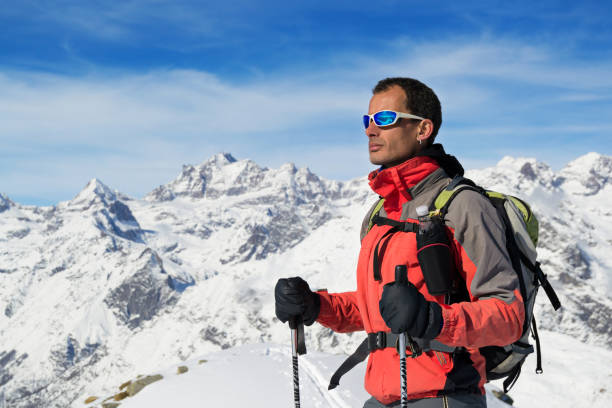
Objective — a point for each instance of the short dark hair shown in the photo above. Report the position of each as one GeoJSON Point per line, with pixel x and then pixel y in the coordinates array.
{"type": "Point", "coordinates": [421, 100]}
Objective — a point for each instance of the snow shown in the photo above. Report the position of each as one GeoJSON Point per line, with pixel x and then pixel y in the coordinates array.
{"type": "Point", "coordinates": [253, 375]}
{"type": "Point", "coordinates": [226, 230]}
{"type": "Point", "coordinates": [575, 375]}
{"type": "Point", "coordinates": [94, 190]}
{"type": "Point", "coordinates": [95, 326]}
{"type": "Point", "coordinates": [258, 376]}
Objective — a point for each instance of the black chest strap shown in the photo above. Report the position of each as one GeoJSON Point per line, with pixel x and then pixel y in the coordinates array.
{"type": "Point", "coordinates": [404, 226]}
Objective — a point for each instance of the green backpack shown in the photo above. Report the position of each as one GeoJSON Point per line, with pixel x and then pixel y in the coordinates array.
{"type": "Point", "coordinates": [521, 240]}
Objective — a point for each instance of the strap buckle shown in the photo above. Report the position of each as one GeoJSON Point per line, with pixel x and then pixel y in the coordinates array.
{"type": "Point", "coordinates": [377, 341]}
{"type": "Point", "coordinates": [409, 227]}
{"type": "Point", "coordinates": [411, 344]}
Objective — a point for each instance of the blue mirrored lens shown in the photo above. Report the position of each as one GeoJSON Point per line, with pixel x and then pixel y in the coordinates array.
{"type": "Point", "coordinates": [366, 121]}
{"type": "Point", "coordinates": [384, 118]}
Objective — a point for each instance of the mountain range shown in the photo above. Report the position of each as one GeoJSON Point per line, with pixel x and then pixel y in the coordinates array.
{"type": "Point", "coordinates": [106, 286]}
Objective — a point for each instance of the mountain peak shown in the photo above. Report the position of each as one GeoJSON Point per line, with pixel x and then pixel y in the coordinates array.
{"type": "Point", "coordinates": [221, 159]}
{"type": "Point", "coordinates": [516, 163]}
{"type": "Point", "coordinates": [516, 175]}
{"type": "Point", "coordinates": [221, 174]}
{"type": "Point", "coordinates": [527, 167]}
{"type": "Point", "coordinates": [5, 203]}
{"type": "Point", "coordinates": [94, 190]}
{"type": "Point", "coordinates": [590, 163]}
{"type": "Point", "coordinates": [289, 168]}
{"type": "Point", "coordinates": [588, 173]}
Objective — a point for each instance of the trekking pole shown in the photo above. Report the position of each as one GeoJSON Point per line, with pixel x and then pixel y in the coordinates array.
{"type": "Point", "coordinates": [401, 278]}
{"type": "Point", "coordinates": [298, 347]}
{"type": "Point", "coordinates": [404, 384]}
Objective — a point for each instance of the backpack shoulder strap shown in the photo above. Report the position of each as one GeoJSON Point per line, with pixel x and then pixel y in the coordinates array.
{"type": "Point", "coordinates": [375, 212]}
{"type": "Point", "coordinates": [447, 195]}
{"type": "Point", "coordinates": [368, 221]}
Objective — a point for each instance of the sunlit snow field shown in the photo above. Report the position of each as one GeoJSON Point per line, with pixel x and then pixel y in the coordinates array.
{"type": "Point", "coordinates": [260, 376]}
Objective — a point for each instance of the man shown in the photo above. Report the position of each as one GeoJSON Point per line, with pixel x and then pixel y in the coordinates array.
{"type": "Point", "coordinates": [403, 120]}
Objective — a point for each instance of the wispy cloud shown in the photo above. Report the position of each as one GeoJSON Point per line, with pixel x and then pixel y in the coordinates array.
{"type": "Point", "coordinates": [132, 129]}
{"type": "Point", "coordinates": [156, 104]}
{"type": "Point", "coordinates": [145, 21]}
{"type": "Point", "coordinates": [499, 59]}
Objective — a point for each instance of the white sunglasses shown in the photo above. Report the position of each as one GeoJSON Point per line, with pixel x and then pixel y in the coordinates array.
{"type": "Point", "coordinates": [387, 118]}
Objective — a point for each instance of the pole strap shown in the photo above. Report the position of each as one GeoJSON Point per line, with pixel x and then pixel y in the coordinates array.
{"type": "Point", "coordinates": [536, 337]}
{"type": "Point", "coordinates": [300, 342]}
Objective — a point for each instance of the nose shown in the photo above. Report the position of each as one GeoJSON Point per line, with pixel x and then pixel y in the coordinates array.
{"type": "Point", "coordinates": [372, 130]}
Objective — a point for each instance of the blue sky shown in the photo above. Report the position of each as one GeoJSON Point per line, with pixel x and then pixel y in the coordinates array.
{"type": "Point", "coordinates": [129, 91]}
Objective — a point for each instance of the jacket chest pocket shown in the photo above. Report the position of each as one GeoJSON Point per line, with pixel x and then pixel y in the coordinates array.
{"type": "Point", "coordinates": [392, 249]}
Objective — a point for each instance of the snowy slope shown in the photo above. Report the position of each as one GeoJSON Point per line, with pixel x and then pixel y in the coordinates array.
{"type": "Point", "coordinates": [258, 376]}
{"type": "Point", "coordinates": [105, 287]}
{"type": "Point", "coordinates": [575, 375]}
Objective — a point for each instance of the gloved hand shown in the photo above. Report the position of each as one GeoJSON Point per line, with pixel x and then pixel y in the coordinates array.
{"type": "Point", "coordinates": [295, 299]}
{"type": "Point", "coordinates": [404, 309]}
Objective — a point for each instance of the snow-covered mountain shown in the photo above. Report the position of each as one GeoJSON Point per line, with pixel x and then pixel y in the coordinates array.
{"type": "Point", "coordinates": [104, 287]}
{"type": "Point", "coordinates": [574, 209]}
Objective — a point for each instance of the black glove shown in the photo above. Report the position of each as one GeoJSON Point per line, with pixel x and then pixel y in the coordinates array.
{"type": "Point", "coordinates": [295, 299]}
{"type": "Point", "coordinates": [404, 309]}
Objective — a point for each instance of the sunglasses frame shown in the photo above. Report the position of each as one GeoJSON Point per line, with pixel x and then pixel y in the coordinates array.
{"type": "Point", "coordinates": [398, 115]}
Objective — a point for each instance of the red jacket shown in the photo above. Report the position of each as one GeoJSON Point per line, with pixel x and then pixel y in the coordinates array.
{"type": "Point", "coordinates": [493, 316]}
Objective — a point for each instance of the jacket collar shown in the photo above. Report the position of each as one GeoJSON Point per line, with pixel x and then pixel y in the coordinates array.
{"type": "Point", "coordinates": [394, 183]}
{"type": "Point", "coordinates": [449, 163]}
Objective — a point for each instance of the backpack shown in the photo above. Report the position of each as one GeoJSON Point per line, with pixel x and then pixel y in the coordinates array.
{"type": "Point", "coordinates": [521, 240]}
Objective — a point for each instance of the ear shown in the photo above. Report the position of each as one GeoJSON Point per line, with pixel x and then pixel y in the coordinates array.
{"type": "Point", "coordinates": [425, 130]}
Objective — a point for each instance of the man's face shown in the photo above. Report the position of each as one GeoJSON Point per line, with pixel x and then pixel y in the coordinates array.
{"type": "Point", "coordinates": [391, 145]}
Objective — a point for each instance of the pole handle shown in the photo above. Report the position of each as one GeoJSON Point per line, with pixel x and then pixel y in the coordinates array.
{"type": "Point", "coordinates": [401, 275]}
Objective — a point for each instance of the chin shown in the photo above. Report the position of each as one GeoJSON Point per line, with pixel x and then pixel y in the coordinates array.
{"type": "Point", "coordinates": [382, 161]}
{"type": "Point", "coordinates": [379, 161]}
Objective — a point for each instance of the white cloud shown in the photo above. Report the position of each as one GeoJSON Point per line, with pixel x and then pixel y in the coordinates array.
{"type": "Point", "coordinates": [129, 125]}
{"type": "Point", "coordinates": [156, 103]}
